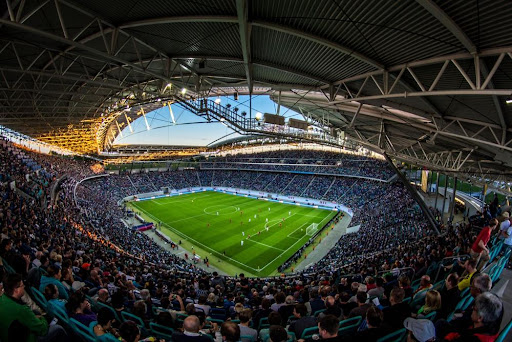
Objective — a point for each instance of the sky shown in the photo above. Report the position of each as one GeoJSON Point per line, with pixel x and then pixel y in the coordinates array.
{"type": "Point", "coordinates": [192, 130]}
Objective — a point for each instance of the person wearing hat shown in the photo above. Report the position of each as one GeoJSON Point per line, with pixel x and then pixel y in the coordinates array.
{"type": "Point", "coordinates": [420, 330]}
{"type": "Point", "coordinates": [506, 232]}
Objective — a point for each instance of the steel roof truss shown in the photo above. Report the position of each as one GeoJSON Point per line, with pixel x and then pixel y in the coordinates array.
{"type": "Point", "coordinates": [420, 90]}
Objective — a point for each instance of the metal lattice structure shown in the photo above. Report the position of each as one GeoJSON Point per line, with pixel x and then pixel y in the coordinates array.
{"type": "Point", "coordinates": [425, 81]}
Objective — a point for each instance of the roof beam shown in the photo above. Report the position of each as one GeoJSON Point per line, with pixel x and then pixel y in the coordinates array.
{"type": "Point", "coordinates": [321, 41]}
{"type": "Point", "coordinates": [496, 101]}
{"type": "Point", "coordinates": [242, 9]}
{"type": "Point", "coordinates": [264, 64]}
{"type": "Point", "coordinates": [259, 23]}
{"type": "Point", "coordinates": [449, 23]}
{"type": "Point", "coordinates": [104, 56]}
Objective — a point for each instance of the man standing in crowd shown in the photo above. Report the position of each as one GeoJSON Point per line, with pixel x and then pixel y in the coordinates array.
{"type": "Point", "coordinates": [479, 251]}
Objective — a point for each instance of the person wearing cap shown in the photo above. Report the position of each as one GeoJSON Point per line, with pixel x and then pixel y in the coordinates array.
{"type": "Point", "coordinates": [506, 233]}
{"type": "Point", "coordinates": [420, 330]}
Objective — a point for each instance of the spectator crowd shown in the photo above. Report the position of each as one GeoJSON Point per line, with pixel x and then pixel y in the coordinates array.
{"type": "Point", "coordinates": [76, 262]}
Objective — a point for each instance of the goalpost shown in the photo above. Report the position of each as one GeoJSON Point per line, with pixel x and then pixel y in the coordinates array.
{"type": "Point", "coordinates": [312, 229]}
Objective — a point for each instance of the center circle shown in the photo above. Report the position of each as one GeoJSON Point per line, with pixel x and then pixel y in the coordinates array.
{"type": "Point", "coordinates": [220, 209]}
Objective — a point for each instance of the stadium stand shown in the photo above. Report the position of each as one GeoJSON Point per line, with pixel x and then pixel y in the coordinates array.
{"type": "Point", "coordinates": [84, 248]}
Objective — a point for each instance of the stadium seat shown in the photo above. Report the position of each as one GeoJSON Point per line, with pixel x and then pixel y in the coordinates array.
{"type": "Point", "coordinates": [131, 317]}
{"type": "Point", "coordinates": [505, 332]}
{"type": "Point", "coordinates": [81, 330]}
{"type": "Point", "coordinates": [218, 321]}
{"type": "Point", "coordinates": [291, 337]}
{"type": "Point", "coordinates": [431, 316]}
{"type": "Point", "coordinates": [439, 285]}
{"type": "Point", "coordinates": [415, 284]}
{"type": "Point", "coordinates": [348, 329]}
{"type": "Point", "coordinates": [218, 313]}
{"type": "Point", "coordinates": [60, 314]}
{"type": "Point", "coordinates": [156, 310]}
{"type": "Point", "coordinates": [396, 336]}
{"type": "Point", "coordinates": [39, 298]}
{"type": "Point", "coordinates": [107, 338]}
{"type": "Point", "coordinates": [7, 267]}
{"type": "Point", "coordinates": [351, 321]}
{"type": "Point", "coordinates": [247, 338]}
{"type": "Point", "coordinates": [101, 305]}
{"type": "Point", "coordinates": [161, 331]}
{"type": "Point", "coordinates": [318, 312]}
{"type": "Point", "coordinates": [263, 323]}
{"type": "Point", "coordinates": [309, 332]}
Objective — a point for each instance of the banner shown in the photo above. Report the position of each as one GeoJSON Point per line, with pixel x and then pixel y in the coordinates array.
{"type": "Point", "coordinates": [424, 180]}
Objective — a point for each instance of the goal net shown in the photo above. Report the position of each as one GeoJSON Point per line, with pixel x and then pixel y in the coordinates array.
{"type": "Point", "coordinates": [312, 229]}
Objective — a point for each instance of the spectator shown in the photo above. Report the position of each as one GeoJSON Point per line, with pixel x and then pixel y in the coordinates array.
{"type": "Point", "coordinates": [479, 251]}
{"type": "Point", "coordinates": [53, 277]}
{"type": "Point", "coordinates": [362, 305]}
{"type": "Point", "coordinates": [470, 271]}
{"type": "Point", "coordinates": [432, 303]}
{"type": "Point", "coordinates": [421, 330]}
{"type": "Point", "coordinates": [449, 296]}
{"type": "Point", "coordinates": [375, 327]}
{"type": "Point", "coordinates": [287, 310]}
{"type": "Point", "coordinates": [191, 327]}
{"type": "Point", "coordinates": [274, 318]}
{"type": "Point", "coordinates": [328, 327]}
{"type": "Point", "coordinates": [303, 321]}
{"type": "Point", "coordinates": [331, 308]}
{"type": "Point", "coordinates": [51, 293]}
{"type": "Point", "coordinates": [395, 314]}
{"type": "Point", "coordinates": [245, 330]}
{"type": "Point", "coordinates": [79, 308]}
{"type": "Point", "coordinates": [378, 290]}
{"type": "Point", "coordinates": [18, 322]}
{"type": "Point", "coordinates": [230, 332]}
{"type": "Point", "coordinates": [277, 334]}
{"type": "Point", "coordinates": [105, 320]}
{"type": "Point", "coordinates": [486, 318]}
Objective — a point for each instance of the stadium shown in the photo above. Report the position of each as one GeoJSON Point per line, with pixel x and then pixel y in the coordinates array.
{"type": "Point", "coordinates": [253, 171]}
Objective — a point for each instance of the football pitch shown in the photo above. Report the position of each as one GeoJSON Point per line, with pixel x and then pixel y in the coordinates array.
{"type": "Point", "coordinates": [236, 233]}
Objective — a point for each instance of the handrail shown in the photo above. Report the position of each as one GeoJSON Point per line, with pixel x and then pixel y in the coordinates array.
{"type": "Point", "coordinates": [442, 262]}
{"type": "Point", "coordinates": [400, 271]}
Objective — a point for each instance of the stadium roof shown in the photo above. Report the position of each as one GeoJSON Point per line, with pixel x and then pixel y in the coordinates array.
{"type": "Point", "coordinates": [426, 81]}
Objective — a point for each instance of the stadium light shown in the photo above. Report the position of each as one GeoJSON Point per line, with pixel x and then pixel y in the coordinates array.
{"type": "Point", "coordinates": [258, 116]}
{"type": "Point", "coordinates": [509, 100]}
{"type": "Point", "coordinates": [183, 91]}
{"type": "Point", "coordinates": [217, 100]}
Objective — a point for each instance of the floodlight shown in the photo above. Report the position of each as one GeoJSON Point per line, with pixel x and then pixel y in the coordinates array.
{"type": "Point", "coordinates": [258, 116]}
{"type": "Point", "coordinates": [509, 100]}
{"type": "Point", "coordinates": [183, 91]}
{"type": "Point", "coordinates": [217, 100]}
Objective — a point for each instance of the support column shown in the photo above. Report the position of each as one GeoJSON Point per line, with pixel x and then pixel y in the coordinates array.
{"type": "Point", "coordinates": [452, 209]}
{"type": "Point", "coordinates": [414, 193]}
{"type": "Point", "coordinates": [437, 190]}
{"type": "Point", "coordinates": [444, 199]}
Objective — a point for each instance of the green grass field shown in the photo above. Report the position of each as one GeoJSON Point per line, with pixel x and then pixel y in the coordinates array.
{"type": "Point", "coordinates": [214, 223]}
